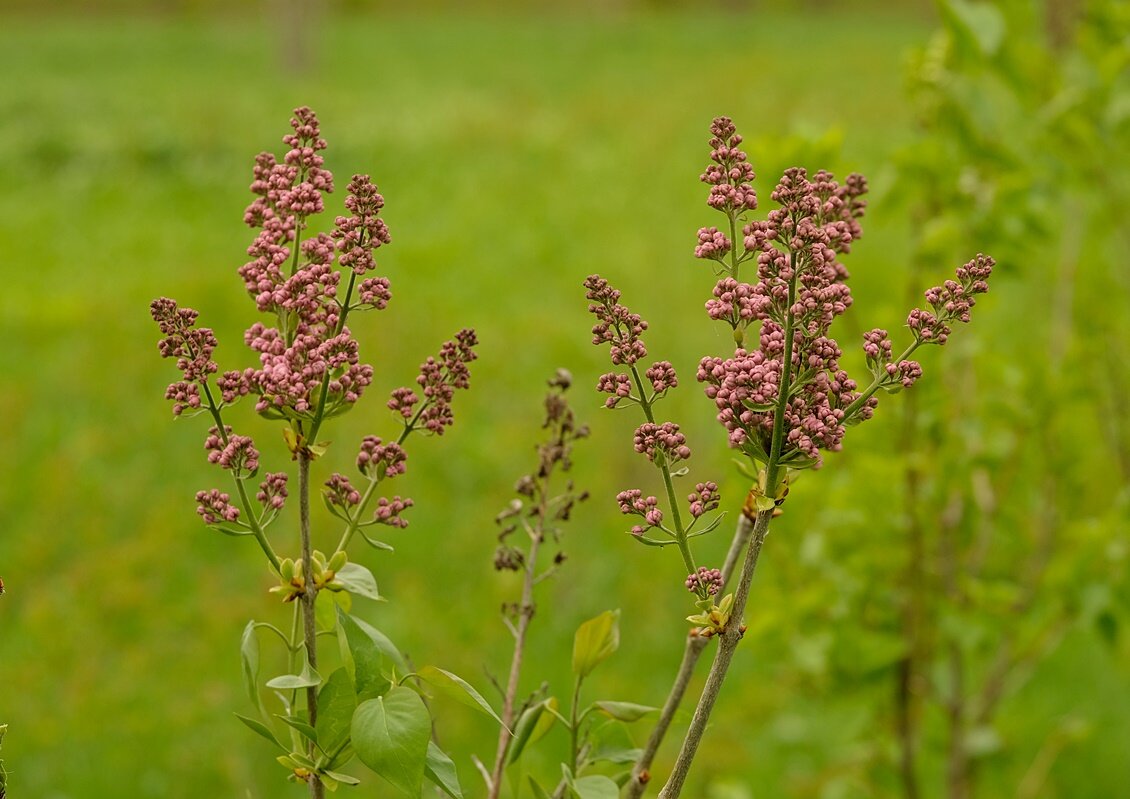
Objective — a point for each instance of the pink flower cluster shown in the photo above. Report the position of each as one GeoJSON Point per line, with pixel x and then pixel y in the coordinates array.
{"type": "Point", "coordinates": [632, 502]}
{"type": "Point", "coordinates": [618, 385]}
{"type": "Point", "coordinates": [438, 380]}
{"type": "Point", "coordinates": [359, 235]}
{"type": "Point", "coordinates": [661, 441]}
{"type": "Point", "coordinates": [615, 324]}
{"type": "Point", "coordinates": [340, 492]}
{"type": "Point", "coordinates": [214, 506]}
{"type": "Point", "coordinates": [951, 301]}
{"type": "Point", "coordinates": [190, 345]}
{"type": "Point", "coordinates": [311, 352]}
{"type": "Point", "coordinates": [388, 511]}
{"type": "Point", "coordinates": [235, 453]}
{"type": "Point", "coordinates": [730, 174]}
{"type": "Point", "coordinates": [622, 329]}
{"type": "Point", "coordinates": [380, 460]}
{"type": "Point", "coordinates": [272, 491]}
{"type": "Point", "coordinates": [704, 499]}
{"type": "Point", "coordinates": [705, 581]}
{"type": "Point", "coordinates": [801, 285]}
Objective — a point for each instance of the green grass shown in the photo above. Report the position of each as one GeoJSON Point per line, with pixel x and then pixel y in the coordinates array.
{"type": "Point", "coordinates": [517, 155]}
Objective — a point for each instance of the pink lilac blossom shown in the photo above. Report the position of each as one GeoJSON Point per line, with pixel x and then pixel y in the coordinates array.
{"type": "Point", "coordinates": [632, 502]}
{"type": "Point", "coordinates": [800, 286]}
{"type": "Point", "coordinates": [272, 491]}
{"type": "Point", "coordinates": [619, 385]}
{"type": "Point", "coordinates": [214, 507]}
{"type": "Point", "coordinates": [704, 499]}
{"type": "Point", "coordinates": [388, 511]}
{"type": "Point", "coordinates": [661, 441]}
{"type": "Point", "coordinates": [730, 175]}
{"type": "Point", "coordinates": [232, 452]}
{"type": "Point", "coordinates": [616, 325]}
{"type": "Point", "coordinates": [191, 346]}
{"type": "Point", "coordinates": [712, 244]}
{"type": "Point", "coordinates": [339, 491]}
{"type": "Point", "coordinates": [357, 236]}
{"type": "Point", "coordinates": [705, 580]}
{"type": "Point", "coordinates": [374, 293]}
{"type": "Point", "coordinates": [951, 301]}
{"type": "Point", "coordinates": [662, 376]}
{"type": "Point", "coordinates": [439, 378]}
{"type": "Point", "coordinates": [737, 303]}
{"type": "Point", "coordinates": [378, 460]}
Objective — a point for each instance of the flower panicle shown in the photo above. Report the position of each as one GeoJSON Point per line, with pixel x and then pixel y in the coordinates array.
{"type": "Point", "coordinates": [191, 346]}
{"type": "Point", "coordinates": [440, 377]}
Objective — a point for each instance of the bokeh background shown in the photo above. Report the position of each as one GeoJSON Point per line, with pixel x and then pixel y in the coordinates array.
{"type": "Point", "coordinates": [953, 584]}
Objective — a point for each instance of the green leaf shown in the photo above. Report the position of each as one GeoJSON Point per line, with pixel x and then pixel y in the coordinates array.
{"type": "Point", "coordinates": [344, 778]}
{"type": "Point", "coordinates": [455, 687]}
{"type": "Point", "coordinates": [529, 727]}
{"type": "Point", "coordinates": [387, 647]}
{"type": "Point", "coordinates": [261, 729]}
{"type": "Point", "coordinates": [249, 658]}
{"type": "Point", "coordinates": [326, 605]}
{"type": "Point", "coordinates": [391, 734]}
{"type": "Point", "coordinates": [304, 729]}
{"type": "Point", "coordinates": [625, 711]}
{"type": "Point", "coordinates": [358, 580]}
{"type": "Point", "coordinates": [336, 703]}
{"type": "Point", "coordinates": [362, 657]}
{"type": "Point", "coordinates": [595, 640]}
{"type": "Point", "coordinates": [595, 787]}
{"type": "Point", "coordinates": [539, 792]}
{"type": "Point", "coordinates": [440, 769]}
{"type": "Point", "coordinates": [304, 679]}
{"type": "Point", "coordinates": [615, 755]}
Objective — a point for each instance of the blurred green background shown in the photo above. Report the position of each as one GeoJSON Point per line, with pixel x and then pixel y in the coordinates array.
{"type": "Point", "coordinates": [973, 536]}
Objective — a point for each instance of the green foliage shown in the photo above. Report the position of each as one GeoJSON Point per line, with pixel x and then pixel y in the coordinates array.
{"type": "Point", "coordinates": [595, 641]}
{"type": "Point", "coordinates": [391, 735]}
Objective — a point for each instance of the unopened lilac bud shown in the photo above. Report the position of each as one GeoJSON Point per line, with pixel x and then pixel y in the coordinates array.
{"type": "Point", "coordinates": [712, 244]}
{"type": "Point", "coordinates": [214, 507]}
{"type": "Point", "coordinates": [379, 460]}
{"type": "Point", "coordinates": [388, 511]}
{"type": "Point", "coordinates": [661, 440]}
{"type": "Point", "coordinates": [708, 581]}
{"type": "Point", "coordinates": [340, 492]}
{"type": "Point", "coordinates": [662, 376]}
{"type": "Point", "coordinates": [272, 491]}
{"type": "Point", "coordinates": [704, 499]}
{"type": "Point", "coordinates": [616, 325]}
{"type": "Point", "coordinates": [619, 385]}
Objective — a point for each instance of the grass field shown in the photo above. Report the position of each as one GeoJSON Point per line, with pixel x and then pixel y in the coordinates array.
{"type": "Point", "coordinates": [517, 155]}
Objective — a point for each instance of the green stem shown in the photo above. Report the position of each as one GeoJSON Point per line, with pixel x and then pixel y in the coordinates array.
{"type": "Point", "coordinates": [574, 749]}
{"type": "Point", "coordinates": [728, 643]}
{"type": "Point", "coordinates": [668, 483]}
{"type": "Point", "coordinates": [309, 596]}
{"type": "Point", "coordinates": [732, 632]}
{"type": "Point", "coordinates": [783, 389]}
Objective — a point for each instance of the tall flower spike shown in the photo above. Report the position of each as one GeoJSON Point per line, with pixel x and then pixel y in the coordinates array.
{"type": "Point", "coordinates": [800, 287]}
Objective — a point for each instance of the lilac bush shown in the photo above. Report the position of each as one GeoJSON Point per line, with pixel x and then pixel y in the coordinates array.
{"type": "Point", "coordinates": [310, 370]}
{"type": "Point", "coordinates": [782, 396]}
